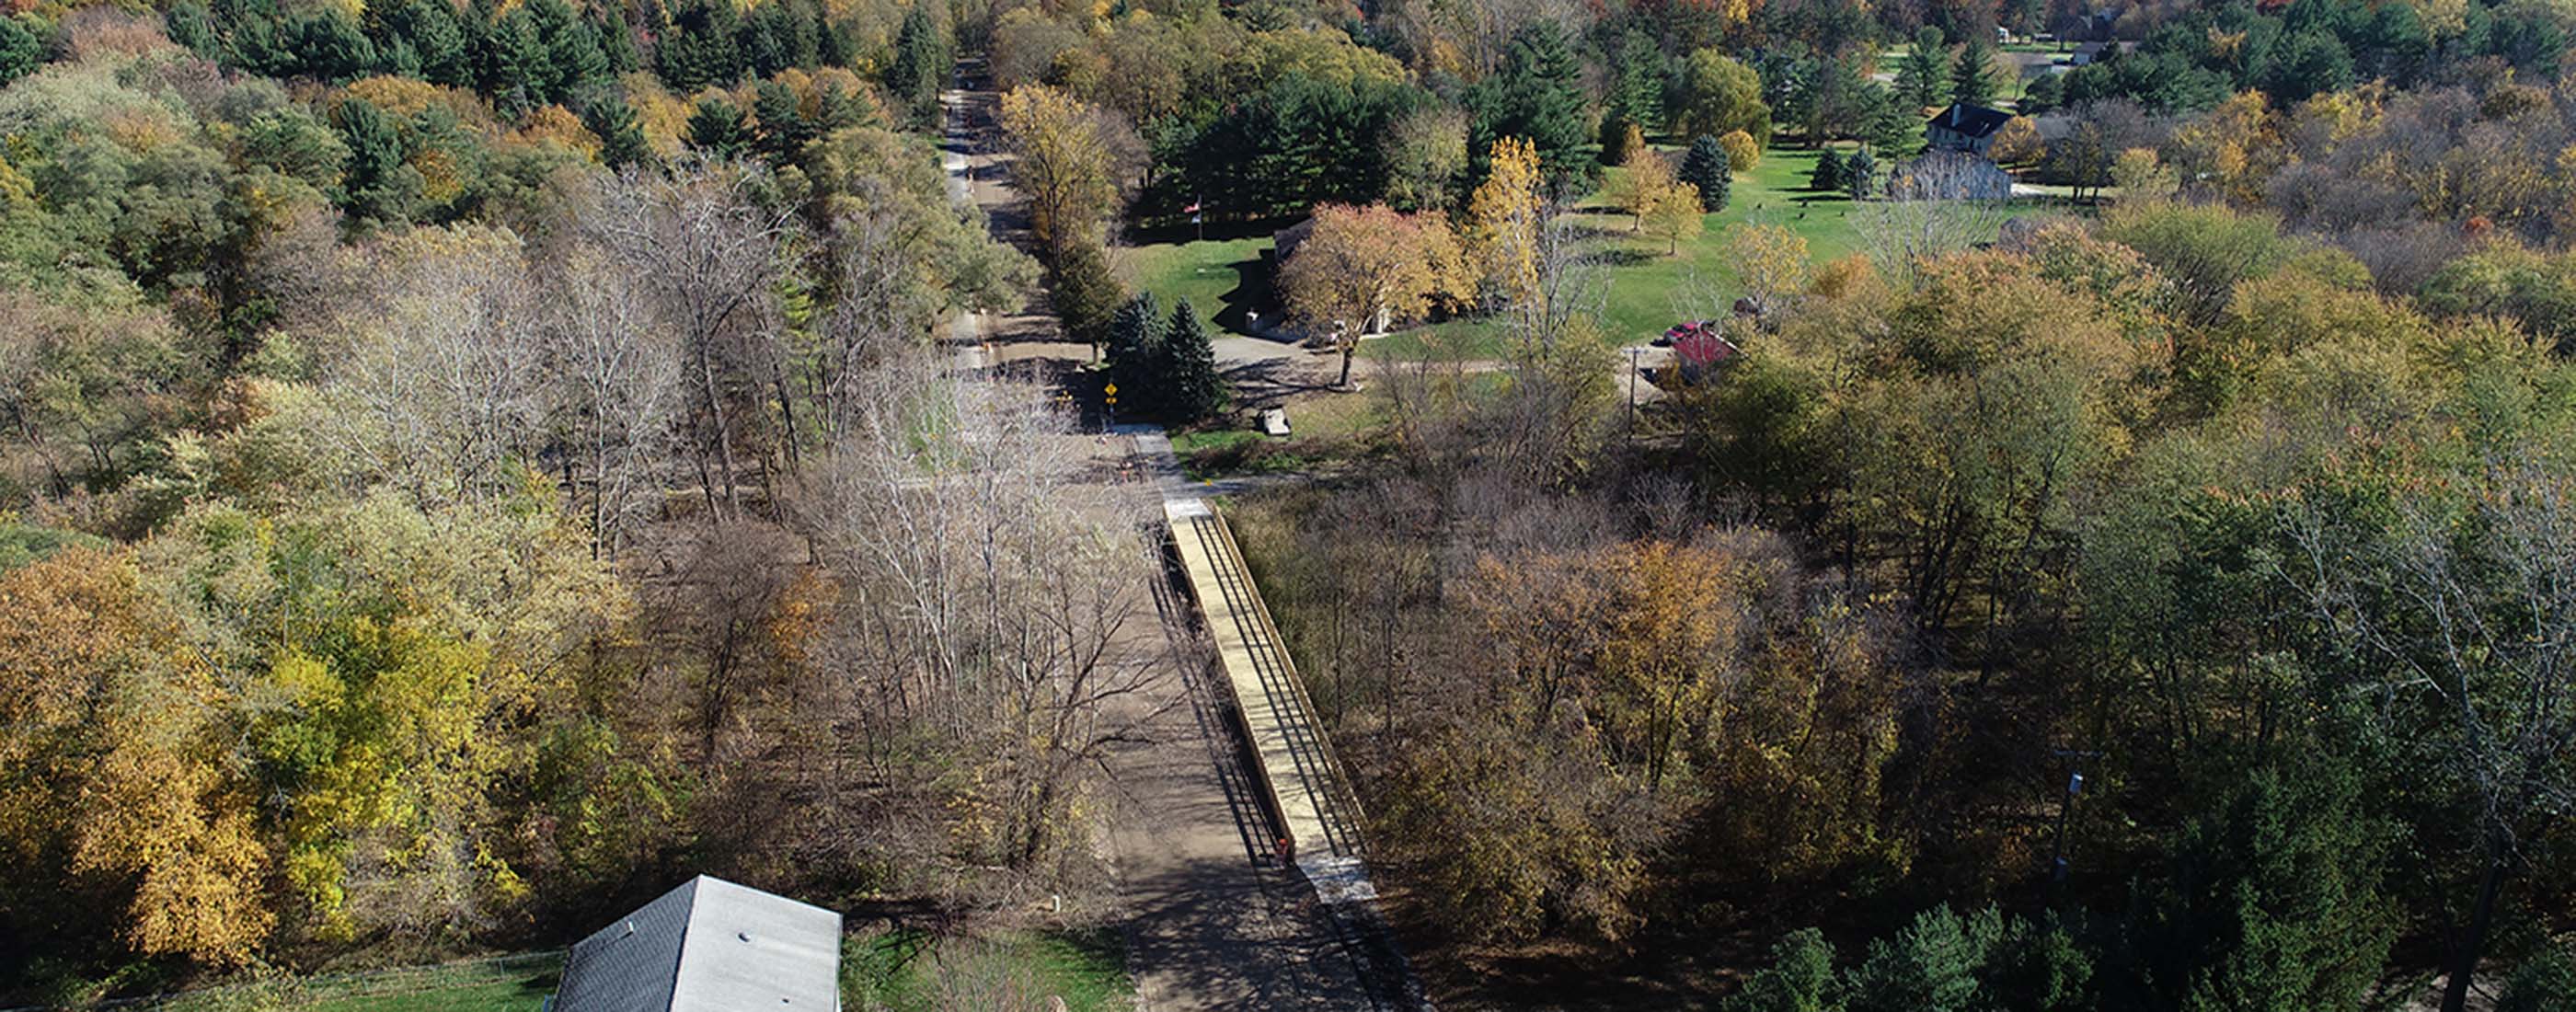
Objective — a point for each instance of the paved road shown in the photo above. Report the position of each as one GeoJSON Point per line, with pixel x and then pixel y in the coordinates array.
{"type": "Point", "coordinates": [1214, 920]}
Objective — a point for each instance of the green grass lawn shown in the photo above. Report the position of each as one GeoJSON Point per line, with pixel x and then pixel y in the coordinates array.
{"type": "Point", "coordinates": [1645, 289]}
{"type": "Point", "coordinates": [1222, 278]}
{"type": "Point", "coordinates": [513, 985]}
{"type": "Point", "coordinates": [907, 971]}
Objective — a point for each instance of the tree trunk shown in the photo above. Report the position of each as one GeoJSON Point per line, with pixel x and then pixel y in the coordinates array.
{"type": "Point", "coordinates": [2464, 955]}
{"type": "Point", "coordinates": [715, 413]}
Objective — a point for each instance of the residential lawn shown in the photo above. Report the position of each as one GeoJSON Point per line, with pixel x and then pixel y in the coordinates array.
{"type": "Point", "coordinates": [516, 985]}
{"type": "Point", "coordinates": [1222, 278]}
{"type": "Point", "coordinates": [908, 971]}
{"type": "Point", "coordinates": [1325, 428]}
{"type": "Point", "coordinates": [1649, 289]}
{"type": "Point", "coordinates": [1646, 288]}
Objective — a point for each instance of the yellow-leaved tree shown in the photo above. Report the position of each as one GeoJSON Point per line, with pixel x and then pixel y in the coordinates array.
{"type": "Point", "coordinates": [114, 773]}
{"type": "Point", "coordinates": [1504, 219]}
{"type": "Point", "coordinates": [1364, 268]}
{"type": "Point", "coordinates": [1065, 165]}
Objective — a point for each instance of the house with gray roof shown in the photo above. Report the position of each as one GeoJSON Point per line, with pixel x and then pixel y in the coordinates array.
{"type": "Point", "coordinates": [708, 946]}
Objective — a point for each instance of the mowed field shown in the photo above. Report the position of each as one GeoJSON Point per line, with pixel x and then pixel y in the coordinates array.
{"type": "Point", "coordinates": [1646, 289]}
{"type": "Point", "coordinates": [898, 971]}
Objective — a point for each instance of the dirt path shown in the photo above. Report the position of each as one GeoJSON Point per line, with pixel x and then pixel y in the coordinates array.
{"type": "Point", "coordinates": [1214, 921]}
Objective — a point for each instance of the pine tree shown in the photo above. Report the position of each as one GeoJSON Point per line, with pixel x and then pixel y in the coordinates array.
{"type": "Point", "coordinates": [1619, 136]}
{"type": "Point", "coordinates": [616, 41]}
{"type": "Point", "coordinates": [1860, 174]}
{"type": "Point", "coordinates": [1707, 168]}
{"type": "Point", "coordinates": [1084, 291]}
{"type": "Point", "coordinates": [1800, 978]}
{"type": "Point", "coordinates": [621, 142]}
{"type": "Point", "coordinates": [718, 128]}
{"type": "Point", "coordinates": [1637, 83]}
{"type": "Point", "coordinates": [446, 48]}
{"type": "Point", "coordinates": [831, 45]}
{"type": "Point", "coordinates": [764, 41]}
{"type": "Point", "coordinates": [573, 54]}
{"type": "Point", "coordinates": [1192, 388]}
{"type": "Point", "coordinates": [375, 185]}
{"type": "Point", "coordinates": [1925, 72]}
{"type": "Point", "coordinates": [521, 67]}
{"type": "Point", "coordinates": [1537, 95]}
{"type": "Point", "coordinates": [784, 130]}
{"type": "Point", "coordinates": [1136, 354]}
{"type": "Point", "coordinates": [920, 63]}
{"type": "Point", "coordinates": [20, 50]}
{"type": "Point", "coordinates": [699, 48]}
{"type": "Point", "coordinates": [1828, 175]}
{"type": "Point", "coordinates": [1972, 79]}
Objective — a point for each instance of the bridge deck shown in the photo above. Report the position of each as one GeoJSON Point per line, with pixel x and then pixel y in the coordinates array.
{"type": "Point", "coordinates": [1318, 814]}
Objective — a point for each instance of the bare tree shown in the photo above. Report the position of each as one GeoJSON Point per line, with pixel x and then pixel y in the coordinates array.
{"type": "Point", "coordinates": [987, 591]}
{"type": "Point", "coordinates": [2472, 614]}
{"type": "Point", "coordinates": [616, 387]}
{"type": "Point", "coordinates": [1939, 203]}
{"type": "Point", "coordinates": [437, 376]}
{"type": "Point", "coordinates": [708, 254]}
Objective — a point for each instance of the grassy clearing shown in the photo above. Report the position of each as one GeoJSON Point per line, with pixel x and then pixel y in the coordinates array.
{"type": "Point", "coordinates": [1328, 428]}
{"type": "Point", "coordinates": [908, 971]}
{"type": "Point", "coordinates": [1222, 278]}
{"type": "Point", "coordinates": [1646, 288]}
{"type": "Point", "coordinates": [509, 985]}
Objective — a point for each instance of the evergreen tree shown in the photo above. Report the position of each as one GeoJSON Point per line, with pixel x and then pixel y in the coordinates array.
{"type": "Point", "coordinates": [1637, 84]}
{"type": "Point", "coordinates": [1934, 965]}
{"type": "Point", "coordinates": [445, 48]}
{"type": "Point", "coordinates": [1924, 74]}
{"type": "Point", "coordinates": [2543, 983]}
{"type": "Point", "coordinates": [621, 141]}
{"type": "Point", "coordinates": [188, 23]}
{"type": "Point", "coordinates": [1084, 291]}
{"type": "Point", "coordinates": [1860, 174]}
{"type": "Point", "coordinates": [921, 61]}
{"type": "Point", "coordinates": [1828, 175]}
{"type": "Point", "coordinates": [832, 47]}
{"type": "Point", "coordinates": [375, 185]}
{"type": "Point", "coordinates": [835, 110]}
{"type": "Point", "coordinates": [718, 128]}
{"type": "Point", "coordinates": [2045, 92]}
{"type": "Point", "coordinates": [1192, 388]}
{"type": "Point", "coordinates": [2274, 899]}
{"type": "Point", "coordinates": [784, 130]}
{"type": "Point", "coordinates": [1619, 136]}
{"type": "Point", "coordinates": [764, 40]}
{"type": "Point", "coordinates": [616, 41]}
{"type": "Point", "coordinates": [329, 46]}
{"type": "Point", "coordinates": [573, 54]}
{"type": "Point", "coordinates": [521, 69]}
{"type": "Point", "coordinates": [20, 49]}
{"type": "Point", "coordinates": [1536, 95]}
{"type": "Point", "coordinates": [1972, 79]}
{"type": "Point", "coordinates": [796, 32]}
{"type": "Point", "coordinates": [1799, 979]}
{"type": "Point", "coordinates": [699, 48]}
{"type": "Point", "coordinates": [1137, 354]}
{"type": "Point", "coordinates": [1706, 167]}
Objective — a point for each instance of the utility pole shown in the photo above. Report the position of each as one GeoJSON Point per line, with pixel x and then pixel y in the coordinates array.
{"type": "Point", "coordinates": [1634, 353]}
{"type": "Point", "coordinates": [2057, 867]}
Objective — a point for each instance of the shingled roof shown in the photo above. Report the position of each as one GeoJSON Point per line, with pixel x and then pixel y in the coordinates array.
{"type": "Point", "coordinates": [1972, 120]}
{"type": "Point", "coordinates": [708, 946]}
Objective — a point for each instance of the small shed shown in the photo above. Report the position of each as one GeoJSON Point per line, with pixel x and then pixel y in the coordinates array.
{"type": "Point", "coordinates": [708, 946]}
{"type": "Point", "coordinates": [1963, 127]}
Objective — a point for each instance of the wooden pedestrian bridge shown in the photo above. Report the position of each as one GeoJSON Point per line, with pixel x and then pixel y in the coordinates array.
{"type": "Point", "coordinates": [1301, 785]}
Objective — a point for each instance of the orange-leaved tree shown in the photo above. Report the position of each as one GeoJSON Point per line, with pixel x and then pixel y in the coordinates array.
{"type": "Point", "coordinates": [1365, 267]}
